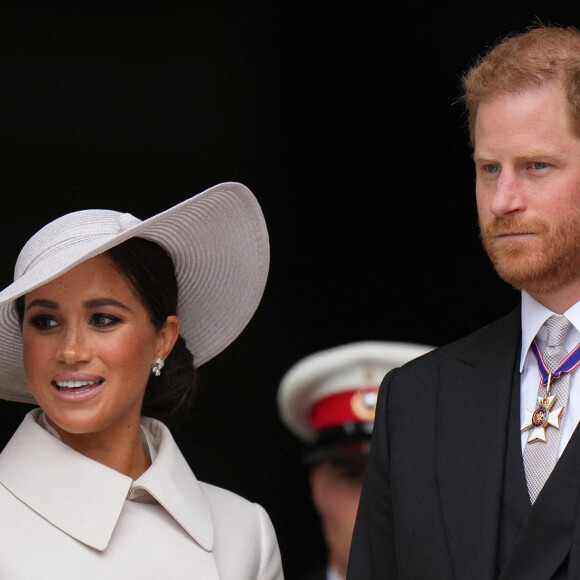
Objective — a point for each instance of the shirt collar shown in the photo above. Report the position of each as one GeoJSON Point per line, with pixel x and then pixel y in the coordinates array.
{"type": "Point", "coordinates": [171, 482]}
{"type": "Point", "coordinates": [69, 490]}
{"type": "Point", "coordinates": [534, 315]}
{"type": "Point", "coordinates": [332, 573]}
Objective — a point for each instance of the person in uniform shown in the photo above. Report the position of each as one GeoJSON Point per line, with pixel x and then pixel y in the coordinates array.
{"type": "Point", "coordinates": [328, 400]}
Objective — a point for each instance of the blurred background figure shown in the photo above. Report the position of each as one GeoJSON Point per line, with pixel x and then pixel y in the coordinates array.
{"type": "Point", "coordinates": [328, 400]}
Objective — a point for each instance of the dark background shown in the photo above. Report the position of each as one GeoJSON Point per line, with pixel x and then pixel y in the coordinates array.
{"type": "Point", "coordinates": [339, 116]}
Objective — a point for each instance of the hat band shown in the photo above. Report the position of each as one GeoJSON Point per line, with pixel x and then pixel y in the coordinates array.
{"type": "Point", "coordinates": [356, 405]}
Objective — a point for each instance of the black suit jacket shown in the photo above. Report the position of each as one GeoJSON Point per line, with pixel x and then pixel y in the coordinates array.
{"type": "Point", "coordinates": [430, 506]}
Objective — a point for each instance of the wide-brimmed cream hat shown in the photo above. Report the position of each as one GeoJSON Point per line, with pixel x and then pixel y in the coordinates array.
{"type": "Point", "coordinates": [219, 245]}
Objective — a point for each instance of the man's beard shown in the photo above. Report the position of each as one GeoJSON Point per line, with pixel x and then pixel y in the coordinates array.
{"type": "Point", "coordinates": [545, 263]}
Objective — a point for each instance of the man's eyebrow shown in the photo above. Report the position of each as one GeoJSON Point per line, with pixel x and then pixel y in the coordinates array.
{"type": "Point", "coordinates": [543, 154]}
{"type": "Point", "coordinates": [533, 154]}
{"type": "Point", "coordinates": [480, 157]}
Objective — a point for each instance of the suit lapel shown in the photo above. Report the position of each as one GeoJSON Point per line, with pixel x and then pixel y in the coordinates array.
{"type": "Point", "coordinates": [515, 506]}
{"type": "Point", "coordinates": [476, 377]}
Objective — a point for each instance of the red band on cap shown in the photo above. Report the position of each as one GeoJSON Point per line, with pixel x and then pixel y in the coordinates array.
{"type": "Point", "coordinates": [340, 408]}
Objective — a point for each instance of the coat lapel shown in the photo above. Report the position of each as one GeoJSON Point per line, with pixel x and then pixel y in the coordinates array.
{"type": "Point", "coordinates": [172, 483]}
{"type": "Point", "coordinates": [54, 481]}
{"type": "Point", "coordinates": [546, 538]}
{"type": "Point", "coordinates": [476, 377]}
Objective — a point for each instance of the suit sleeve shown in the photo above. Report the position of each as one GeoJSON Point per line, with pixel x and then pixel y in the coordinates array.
{"type": "Point", "coordinates": [372, 554]}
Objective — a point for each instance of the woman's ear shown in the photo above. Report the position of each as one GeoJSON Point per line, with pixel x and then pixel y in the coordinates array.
{"type": "Point", "coordinates": [167, 337]}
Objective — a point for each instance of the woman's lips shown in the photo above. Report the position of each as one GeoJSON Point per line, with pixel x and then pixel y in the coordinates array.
{"type": "Point", "coordinates": [77, 390]}
{"type": "Point", "coordinates": [74, 385]}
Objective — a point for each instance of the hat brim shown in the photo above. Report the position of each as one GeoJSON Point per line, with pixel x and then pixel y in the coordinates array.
{"type": "Point", "coordinates": [218, 242]}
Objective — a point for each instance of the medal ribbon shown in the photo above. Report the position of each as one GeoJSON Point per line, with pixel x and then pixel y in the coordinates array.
{"type": "Point", "coordinates": [567, 365]}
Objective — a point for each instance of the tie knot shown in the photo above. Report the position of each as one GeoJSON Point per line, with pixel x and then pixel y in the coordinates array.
{"type": "Point", "coordinates": [558, 328]}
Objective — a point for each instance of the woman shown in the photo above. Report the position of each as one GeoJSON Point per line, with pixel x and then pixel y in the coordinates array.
{"type": "Point", "coordinates": [100, 324]}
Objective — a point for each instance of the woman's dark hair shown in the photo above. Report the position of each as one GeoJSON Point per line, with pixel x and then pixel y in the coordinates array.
{"type": "Point", "coordinates": [150, 272]}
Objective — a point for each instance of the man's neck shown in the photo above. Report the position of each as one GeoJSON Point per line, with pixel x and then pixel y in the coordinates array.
{"type": "Point", "coordinates": [559, 301]}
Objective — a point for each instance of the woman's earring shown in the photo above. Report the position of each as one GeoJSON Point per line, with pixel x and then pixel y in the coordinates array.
{"type": "Point", "coordinates": [156, 368]}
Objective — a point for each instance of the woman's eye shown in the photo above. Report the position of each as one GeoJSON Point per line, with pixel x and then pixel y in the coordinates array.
{"type": "Point", "coordinates": [43, 322]}
{"type": "Point", "coordinates": [104, 320]}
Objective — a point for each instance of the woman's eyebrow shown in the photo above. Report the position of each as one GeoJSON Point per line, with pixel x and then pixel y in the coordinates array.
{"type": "Point", "coordinates": [43, 304]}
{"type": "Point", "coordinates": [96, 302]}
{"type": "Point", "coordinates": [93, 303]}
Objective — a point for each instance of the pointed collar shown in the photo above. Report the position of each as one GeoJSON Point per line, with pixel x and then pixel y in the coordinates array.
{"type": "Point", "coordinates": [534, 315]}
{"type": "Point", "coordinates": [84, 498]}
{"type": "Point", "coordinates": [171, 482]}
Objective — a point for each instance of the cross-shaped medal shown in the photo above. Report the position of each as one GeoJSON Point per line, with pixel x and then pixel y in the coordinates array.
{"type": "Point", "coordinates": [542, 416]}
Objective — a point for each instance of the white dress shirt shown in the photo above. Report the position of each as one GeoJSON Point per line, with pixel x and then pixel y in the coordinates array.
{"type": "Point", "coordinates": [534, 315]}
{"type": "Point", "coordinates": [332, 574]}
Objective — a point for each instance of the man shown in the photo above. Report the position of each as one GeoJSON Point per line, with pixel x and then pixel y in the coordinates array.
{"type": "Point", "coordinates": [328, 400]}
{"type": "Point", "coordinates": [475, 464]}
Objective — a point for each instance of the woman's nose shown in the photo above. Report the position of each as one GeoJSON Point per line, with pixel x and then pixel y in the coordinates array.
{"type": "Point", "coordinates": [73, 348]}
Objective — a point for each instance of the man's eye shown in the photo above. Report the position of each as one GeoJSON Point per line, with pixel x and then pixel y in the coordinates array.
{"type": "Point", "coordinates": [43, 322]}
{"type": "Point", "coordinates": [104, 320]}
{"type": "Point", "coordinates": [539, 165]}
{"type": "Point", "coordinates": [491, 168]}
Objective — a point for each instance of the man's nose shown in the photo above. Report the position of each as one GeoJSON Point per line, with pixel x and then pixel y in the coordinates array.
{"type": "Point", "coordinates": [509, 195]}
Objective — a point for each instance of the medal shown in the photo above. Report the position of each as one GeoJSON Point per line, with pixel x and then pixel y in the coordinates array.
{"type": "Point", "coordinates": [543, 415]}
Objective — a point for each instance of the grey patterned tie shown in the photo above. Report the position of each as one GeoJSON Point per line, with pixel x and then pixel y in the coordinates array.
{"type": "Point", "coordinates": [540, 457]}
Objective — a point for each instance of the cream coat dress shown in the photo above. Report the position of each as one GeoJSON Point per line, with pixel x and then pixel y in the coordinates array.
{"type": "Point", "coordinates": [64, 516]}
